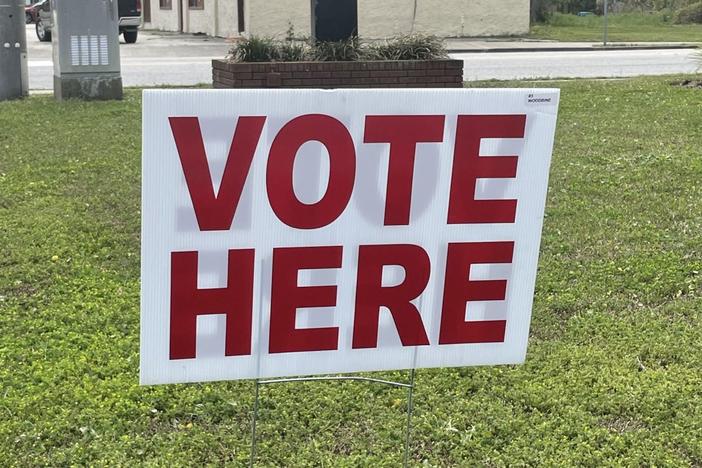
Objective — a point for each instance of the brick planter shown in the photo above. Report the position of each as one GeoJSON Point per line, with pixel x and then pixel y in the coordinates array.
{"type": "Point", "coordinates": [375, 74]}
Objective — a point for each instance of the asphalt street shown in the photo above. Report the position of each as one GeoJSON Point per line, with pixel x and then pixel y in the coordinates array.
{"type": "Point", "coordinates": [155, 59]}
{"type": "Point", "coordinates": [586, 64]}
{"type": "Point", "coordinates": [174, 59]}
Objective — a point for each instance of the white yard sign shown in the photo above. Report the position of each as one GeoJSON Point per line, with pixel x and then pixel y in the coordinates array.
{"type": "Point", "coordinates": [292, 232]}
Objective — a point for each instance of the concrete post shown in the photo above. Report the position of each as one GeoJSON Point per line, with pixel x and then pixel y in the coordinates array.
{"type": "Point", "coordinates": [13, 50]}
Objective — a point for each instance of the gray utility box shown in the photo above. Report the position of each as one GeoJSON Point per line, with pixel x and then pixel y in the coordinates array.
{"type": "Point", "coordinates": [13, 50]}
{"type": "Point", "coordinates": [85, 37]}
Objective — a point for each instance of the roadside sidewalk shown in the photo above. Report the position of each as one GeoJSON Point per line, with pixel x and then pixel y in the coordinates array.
{"type": "Point", "coordinates": [455, 45]}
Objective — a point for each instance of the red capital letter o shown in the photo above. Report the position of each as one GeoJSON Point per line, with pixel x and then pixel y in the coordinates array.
{"type": "Point", "coordinates": [342, 171]}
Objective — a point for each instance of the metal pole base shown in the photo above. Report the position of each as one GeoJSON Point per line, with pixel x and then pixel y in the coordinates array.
{"type": "Point", "coordinates": [100, 87]}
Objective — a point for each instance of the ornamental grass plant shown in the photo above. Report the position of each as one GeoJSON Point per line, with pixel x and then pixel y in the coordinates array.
{"type": "Point", "coordinates": [266, 49]}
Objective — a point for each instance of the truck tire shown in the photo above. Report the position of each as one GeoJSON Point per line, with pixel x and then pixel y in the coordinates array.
{"type": "Point", "coordinates": [130, 37]}
{"type": "Point", "coordinates": [42, 34]}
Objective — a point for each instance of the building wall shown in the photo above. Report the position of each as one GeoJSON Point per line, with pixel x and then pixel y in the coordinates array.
{"type": "Point", "coordinates": [199, 21]}
{"type": "Point", "coordinates": [273, 18]}
{"type": "Point", "coordinates": [228, 20]}
{"type": "Point", "coordinates": [376, 19]}
{"type": "Point", "coordinates": [217, 18]}
{"type": "Point", "coordinates": [446, 18]}
{"type": "Point", "coordinates": [163, 20]}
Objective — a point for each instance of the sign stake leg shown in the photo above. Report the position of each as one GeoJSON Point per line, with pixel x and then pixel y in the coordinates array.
{"type": "Point", "coordinates": [253, 429]}
{"type": "Point", "coordinates": [410, 407]}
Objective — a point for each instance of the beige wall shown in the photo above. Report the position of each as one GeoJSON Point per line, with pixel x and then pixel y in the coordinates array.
{"type": "Point", "coordinates": [199, 21]}
{"type": "Point", "coordinates": [228, 22]}
{"type": "Point", "coordinates": [274, 17]}
{"type": "Point", "coordinates": [447, 18]}
{"type": "Point", "coordinates": [163, 20]}
{"type": "Point", "coordinates": [217, 18]}
{"type": "Point", "coordinates": [376, 18]}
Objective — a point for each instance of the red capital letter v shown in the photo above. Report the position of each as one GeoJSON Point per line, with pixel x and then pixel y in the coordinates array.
{"type": "Point", "coordinates": [215, 212]}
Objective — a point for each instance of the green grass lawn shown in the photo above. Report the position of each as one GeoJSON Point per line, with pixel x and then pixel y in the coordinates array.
{"type": "Point", "coordinates": [614, 368]}
{"type": "Point", "coordinates": [621, 28]}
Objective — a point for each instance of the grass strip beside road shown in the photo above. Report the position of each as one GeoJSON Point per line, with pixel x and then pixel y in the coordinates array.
{"type": "Point", "coordinates": [612, 374]}
{"type": "Point", "coordinates": [627, 27]}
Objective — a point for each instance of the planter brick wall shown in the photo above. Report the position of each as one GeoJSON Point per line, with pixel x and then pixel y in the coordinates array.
{"type": "Point", "coordinates": [380, 74]}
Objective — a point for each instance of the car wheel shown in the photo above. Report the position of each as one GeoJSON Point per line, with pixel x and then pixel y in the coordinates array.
{"type": "Point", "coordinates": [28, 18]}
{"type": "Point", "coordinates": [42, 34]}
{"type": "Point", "coordinates": [130, 37]}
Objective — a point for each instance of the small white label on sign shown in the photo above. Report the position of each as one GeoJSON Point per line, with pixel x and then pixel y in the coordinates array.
{"type": "Point", "coordinates": [542, 99]}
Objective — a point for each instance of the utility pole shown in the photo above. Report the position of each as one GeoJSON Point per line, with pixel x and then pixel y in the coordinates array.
{"type": "Point", "coordinates": [605, 22]}
{"type": "Point", "coordinates": [13, 50]}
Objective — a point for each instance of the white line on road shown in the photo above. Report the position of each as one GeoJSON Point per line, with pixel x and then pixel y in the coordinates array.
{"type": "Point", "coordinates": [140, 61]}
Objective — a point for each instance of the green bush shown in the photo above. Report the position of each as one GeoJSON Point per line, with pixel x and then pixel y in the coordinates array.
{"type": "Point", "coordinates": [255, 49]}
{"type": "Point", "coordinates": [411, 47]}
{"type": "Point", "coordinates": [290, 51]}
{"type": "Point", "coordinates": [689, 14]}
{"type": "Point", "coordinates": [337, 51]}
{"type": "Point", "coordinates": [543, 11]}
{"type": "Point", "coordinates": [670, 5]}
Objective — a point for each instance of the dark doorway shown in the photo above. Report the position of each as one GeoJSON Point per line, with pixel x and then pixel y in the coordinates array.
{"type": "Point", "coordinates": [240, 15]}
{"type": "Point", "coordinates": [180, 15]}
{"type": "Point", "coordinates": [335, 20]}
{"type": "Point", "coordinates": [147, 11]}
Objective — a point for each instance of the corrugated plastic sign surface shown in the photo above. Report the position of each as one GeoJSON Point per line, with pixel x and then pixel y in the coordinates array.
{"type": "Point", "coordinates": [296, 232]}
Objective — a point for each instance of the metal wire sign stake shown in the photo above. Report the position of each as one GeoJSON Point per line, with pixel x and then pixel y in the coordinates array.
{"type": "Point", "coordinates": [331, 378]}
{"type": "Point", "coordinates": [410, 406]}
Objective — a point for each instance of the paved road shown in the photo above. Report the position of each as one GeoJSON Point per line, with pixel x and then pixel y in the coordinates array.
{"type": "Point", "coordinates": [155, 59]}
{"type": "Point", "coordinates": [163, 58]}
{"type": "Point", "coordinates": [587, 64]}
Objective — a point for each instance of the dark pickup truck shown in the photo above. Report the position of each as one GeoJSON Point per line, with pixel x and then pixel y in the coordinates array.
{"type": "Point", "coordinates": [129, 20]}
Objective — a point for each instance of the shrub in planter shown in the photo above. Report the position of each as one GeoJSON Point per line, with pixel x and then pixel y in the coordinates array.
{"type": "Point", "coordinates": [404, 62]}
{"type": "Point", "coordinates": [337, 51]}
{"type": "Point", "coordinates": [411, 47]}
{"type": "Point", "coordinates": [255, 49]}
{"type": "Point", "coordinates": [290, 51]}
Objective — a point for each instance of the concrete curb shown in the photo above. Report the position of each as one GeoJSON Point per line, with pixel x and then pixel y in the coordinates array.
{"type": "Point", "coordinates": [570, 49]}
